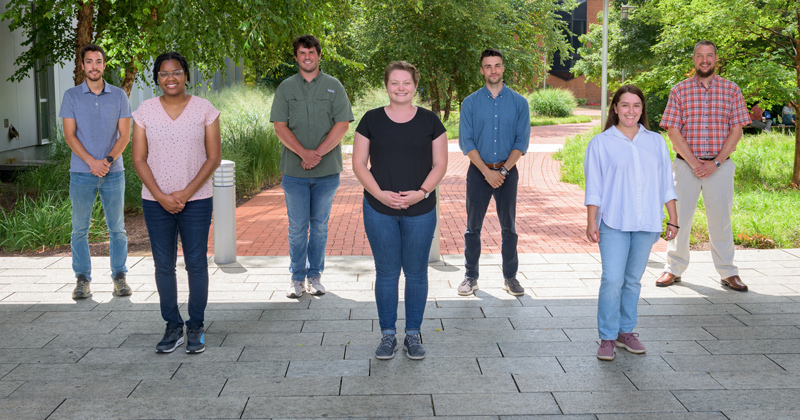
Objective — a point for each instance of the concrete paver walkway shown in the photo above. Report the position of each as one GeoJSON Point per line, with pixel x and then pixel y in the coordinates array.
{"type": "Point", "coordinates": [712, 353]}
{"type": "Point", "coordinates": [551, 217]}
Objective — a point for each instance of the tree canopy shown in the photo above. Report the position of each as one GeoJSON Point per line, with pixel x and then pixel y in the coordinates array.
{"type": "Point", "coordinates": [757, 41]}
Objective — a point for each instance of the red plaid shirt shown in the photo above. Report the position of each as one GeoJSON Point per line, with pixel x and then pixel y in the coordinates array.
{"type": "Point", "coordinates": [705, 116]}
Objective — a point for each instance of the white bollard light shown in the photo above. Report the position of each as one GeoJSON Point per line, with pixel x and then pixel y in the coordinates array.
{"type": "Point", "coordinates": [224, 181]}
{"type": "Point", "coordinates": [435, 254]}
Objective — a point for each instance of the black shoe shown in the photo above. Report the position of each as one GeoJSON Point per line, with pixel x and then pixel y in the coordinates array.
{"type": "Point", "coordinates": [81, 288]}
{"type": "Point", "coordinates": [121, 287]}
{"type": "Point", "coordinates": [513, 288]}
{"type": "Point", "coordinates": [413, 347]}
{"type": "Point", "coordinates": [195, 340]}
{"type": "Point", "coordinates": [173, 338]}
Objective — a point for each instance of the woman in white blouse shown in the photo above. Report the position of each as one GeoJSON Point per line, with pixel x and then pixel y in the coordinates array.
{"type": "Point", "coordinates": [628, 182]}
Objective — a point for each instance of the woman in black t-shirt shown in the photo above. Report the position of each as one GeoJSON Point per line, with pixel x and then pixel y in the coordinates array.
{"type": "Point", "coordinates": [406, 148]}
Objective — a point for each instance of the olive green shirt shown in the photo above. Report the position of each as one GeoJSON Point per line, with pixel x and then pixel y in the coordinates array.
{"type": "Point", "coordinates": [311, 109]}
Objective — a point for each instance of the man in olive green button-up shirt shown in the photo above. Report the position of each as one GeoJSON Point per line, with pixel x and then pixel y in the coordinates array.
{"type": "Point", "coordinates": [311, 113]}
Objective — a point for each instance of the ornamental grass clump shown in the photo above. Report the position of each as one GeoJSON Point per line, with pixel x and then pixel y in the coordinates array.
{"type": "Point", "coordinates": [552, 103]}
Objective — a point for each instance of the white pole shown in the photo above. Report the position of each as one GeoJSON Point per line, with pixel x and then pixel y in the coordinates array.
{"type": "Point", "coordinates": [435, 254]}
{"type": "Point", "coordinates": [224, 181]}
{"type": "Point", "coordinates": [604, 92]}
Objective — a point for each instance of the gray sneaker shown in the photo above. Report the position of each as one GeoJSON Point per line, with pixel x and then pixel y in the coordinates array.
{"type": "Point", "coordinates": [513, 288]}
{"type": "Point", "coordinates": [81, 288]}
{"type": "Point", "coordinates": [121, 287]}
{"type": "Point", "coordinates": [468, 286]}
{"type": "Point", "coordinates": [387, 347]}
{"type": "Point", "coordinates": [173, 338]}
{"type": "Point", "coordinates": [314, 287]}
{"type": "Point", "coordinates": [296, 289]}
{"type": "Point", "coordinates": [413, 347]}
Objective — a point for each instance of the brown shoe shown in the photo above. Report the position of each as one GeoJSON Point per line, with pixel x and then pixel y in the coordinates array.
{"type": "Point", "coordinates": [735, 283]}
{"type": "Point", "coordinates": [667, 279]}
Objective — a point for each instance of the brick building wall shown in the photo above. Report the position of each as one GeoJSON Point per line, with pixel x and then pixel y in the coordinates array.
{"type": "Point", "coordinates": [578, 86]}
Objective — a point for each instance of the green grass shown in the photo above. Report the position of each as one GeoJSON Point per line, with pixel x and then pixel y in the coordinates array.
{"type": "Point", "coordinates": [765, 210]}
{"type": "Point", "coordinates": [572, 119]}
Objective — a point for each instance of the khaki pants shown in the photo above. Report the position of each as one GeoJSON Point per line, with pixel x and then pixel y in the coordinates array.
{"type": "Point", "coordinates": [717, 192]}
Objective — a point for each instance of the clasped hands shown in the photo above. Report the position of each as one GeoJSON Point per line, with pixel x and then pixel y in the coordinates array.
{"type": "Point", "coordinates": [494, 178]}
{"type": "Point", "coordinates": [310, 159]}
{"type": "Point", "coordinates": [400, 200]}
{"type": "Point", "coordinates": [705, 168]}
{"type": "Point", "coordinates": [173, 202]}
{"type": "Point", "coordinates": [99, 167]}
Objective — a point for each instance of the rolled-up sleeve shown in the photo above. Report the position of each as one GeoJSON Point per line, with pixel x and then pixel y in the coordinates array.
{"type": "Point", "coordinates": [593, 174]}
{"type": "Point", "coordinates": [523, 129]}
{"type": "Point", "coordinates": [666, 180]}
{"type": "Point", "coordinates": [466, 133]}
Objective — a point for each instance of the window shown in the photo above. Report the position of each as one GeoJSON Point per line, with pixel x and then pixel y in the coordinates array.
{"type": "Point", "coordinates": [576, 22]}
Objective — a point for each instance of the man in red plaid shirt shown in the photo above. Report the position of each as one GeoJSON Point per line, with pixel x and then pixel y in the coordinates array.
{"type": "Point", "coordinates": [704, 119]}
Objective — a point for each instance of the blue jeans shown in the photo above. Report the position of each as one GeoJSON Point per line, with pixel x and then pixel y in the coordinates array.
{"type": "Point", "coordinates": [479, 193]}
{"type": "Point", "coordinates": [83, 188]}
{"type": "Point", "coordinates": [192, 224]}
{"type": "Point", "coordinates": [400, 242]}
{"type": "Point", "coordinates": [624, 258]}
{"type": "Point", "coordinates": [308, 205]}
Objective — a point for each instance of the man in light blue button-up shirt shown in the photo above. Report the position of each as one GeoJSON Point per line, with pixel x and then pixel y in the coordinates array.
{"type": "Point", "coordinates": [494, 132]}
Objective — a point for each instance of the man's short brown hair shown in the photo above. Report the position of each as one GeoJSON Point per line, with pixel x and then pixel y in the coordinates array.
{"type": "Point", "coordinates": [94, 48]}
{"type": "Point", "coordinates": [306, 41]}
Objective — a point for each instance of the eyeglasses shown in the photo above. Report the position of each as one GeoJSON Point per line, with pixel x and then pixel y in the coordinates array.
{"type": "Point", "coordinates": [165, 74]}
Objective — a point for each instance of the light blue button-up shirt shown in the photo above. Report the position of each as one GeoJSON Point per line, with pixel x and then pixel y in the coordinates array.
{"type": "Point", "coordinates": [494, 125]}
{"type": "Point", "coordinates": [629, 180]}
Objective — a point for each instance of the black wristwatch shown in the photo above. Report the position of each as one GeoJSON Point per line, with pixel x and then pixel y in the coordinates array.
{"type": "Point", "coordinates": [110, 159]}
{"type": "Point", "coordinates": [503, 171]}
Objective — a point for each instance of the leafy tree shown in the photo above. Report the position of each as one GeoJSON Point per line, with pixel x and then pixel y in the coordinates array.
{"type": "Point", "coordinates": [134, 32]}
{"type": "Point", "coordinates": [444, 38]}
{"type": "Point", "coordinates": [757, 40]}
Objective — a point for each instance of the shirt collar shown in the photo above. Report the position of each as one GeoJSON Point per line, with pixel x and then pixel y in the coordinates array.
{"type": "Point", "coordinates": [488, 93]}
{"type": "Point", "coordinates": [85, 87]}
{"type": "Point", "coordinates": [312, 80]}
{"type": "Point", "coordinates": [614, 131]}
{"type": "Point", "coordinates": [711, 82]}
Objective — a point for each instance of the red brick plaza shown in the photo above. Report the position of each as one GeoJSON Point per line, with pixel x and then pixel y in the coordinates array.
{"type": "Point", "coordinates": [551, 217]}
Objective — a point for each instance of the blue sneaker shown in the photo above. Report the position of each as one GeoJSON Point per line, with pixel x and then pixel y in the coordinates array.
{"type": "Point", "coordinates": [195, 340]}
{"type": "Point", "coordinates": [173, 338]}
{"type": "Point", "coordinates": [413, 347]}
{"type": "Point", "coordinates": [386, 349]}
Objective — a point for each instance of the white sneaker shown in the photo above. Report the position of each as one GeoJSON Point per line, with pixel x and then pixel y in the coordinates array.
{"type": "Point", "coordinates": [314, 287]}
{"type": "Point", "coordinates": [295, 289]}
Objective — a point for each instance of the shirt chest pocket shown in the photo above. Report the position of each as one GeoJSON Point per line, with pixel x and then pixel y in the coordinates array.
{"type": "Point", "coordinates": [323, 106]}
{"type": "Point", "coordinates": [297, 108]}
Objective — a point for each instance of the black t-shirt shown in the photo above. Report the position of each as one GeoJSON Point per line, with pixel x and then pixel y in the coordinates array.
{"type": "Point", "coordinates": [401, 156]}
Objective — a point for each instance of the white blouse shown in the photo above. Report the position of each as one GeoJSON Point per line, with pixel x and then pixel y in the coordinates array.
{"type": "Point", "coordinates": [629, 180]}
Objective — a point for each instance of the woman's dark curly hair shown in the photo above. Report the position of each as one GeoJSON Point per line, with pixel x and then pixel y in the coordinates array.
{"type": "Point", "coordinates": [170, 56]}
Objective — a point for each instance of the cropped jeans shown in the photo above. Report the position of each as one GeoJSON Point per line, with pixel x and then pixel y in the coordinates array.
{"type": "Point", "coordinates": [83, 188]}
{"type": "Point", "coordinates": [624, 258]}
{"type": "Point", "coordinates": [400, 242]}
{"type": "Point", "coordinates": [308, 205]}
{"type": "Point", "coordinates": [192, 224]}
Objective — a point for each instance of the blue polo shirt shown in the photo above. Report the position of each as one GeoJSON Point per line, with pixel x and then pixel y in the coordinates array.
{"type": "Point", "coordinates": [96, 118]}
{"type": "Point", "coordinates": [494, 126]}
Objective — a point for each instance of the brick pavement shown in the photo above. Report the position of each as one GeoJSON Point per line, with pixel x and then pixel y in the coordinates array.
{"type": "Point", "coordinates": [550, 214]}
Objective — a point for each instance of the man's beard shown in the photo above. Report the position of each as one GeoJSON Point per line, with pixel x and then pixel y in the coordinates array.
{"type": "Point", "coordinates": [703, 74]}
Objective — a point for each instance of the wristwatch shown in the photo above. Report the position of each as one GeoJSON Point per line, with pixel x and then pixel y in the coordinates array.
{"type": "Point", "coordinates": [425, 191]}
{"type": "Point", "coordinates": [716, 163]}
{"type": "Point", "coordinates": [503, 171]}
{"type": "Point", "coordinates": [110, 159]}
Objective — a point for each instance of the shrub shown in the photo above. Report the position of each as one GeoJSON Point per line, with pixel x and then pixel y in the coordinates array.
{"type": "Point", "coordinates": [552, 103]}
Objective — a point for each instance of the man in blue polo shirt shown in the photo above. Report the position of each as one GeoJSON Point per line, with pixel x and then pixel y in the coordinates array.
{"type": "Point", "coordinates": [97, 127]}
{"type": "Point", "coordinates": [494, 133]}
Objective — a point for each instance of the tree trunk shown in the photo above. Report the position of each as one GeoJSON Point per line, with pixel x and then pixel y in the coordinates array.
{"type": "Point", "coordinates": [83, 37]}
{"type": "Point", "coordinates": [448, 100]}
{"type": "Point", "coordinates": [130, 77]}
{"type": "Point", "coordinates": [435, 96]}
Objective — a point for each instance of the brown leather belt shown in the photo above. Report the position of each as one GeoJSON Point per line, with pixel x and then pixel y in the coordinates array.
{"type": "Point", "coordinates": [495, 165]}
{"type": "Point", "coordinates": [678, 155]}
